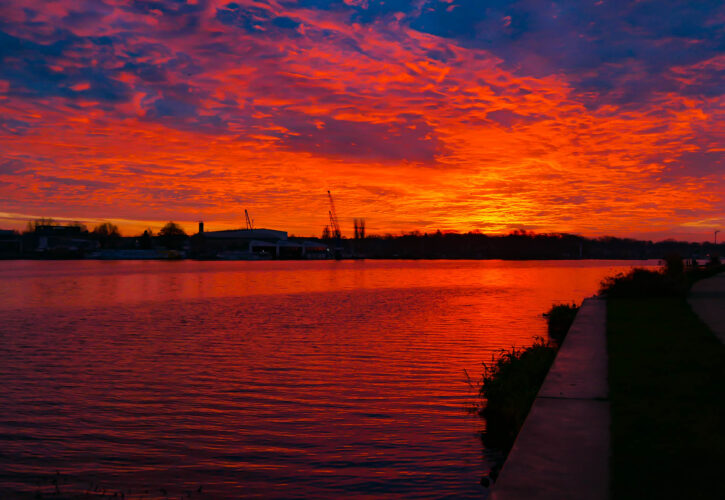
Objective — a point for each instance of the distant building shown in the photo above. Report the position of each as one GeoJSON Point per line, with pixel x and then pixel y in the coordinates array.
{"type": "Point", "coordinates": [252, 244]}
{"type": "Point", "coordinates": [58, 241]}
{"type": "Point", "coordinates": [11, 244]}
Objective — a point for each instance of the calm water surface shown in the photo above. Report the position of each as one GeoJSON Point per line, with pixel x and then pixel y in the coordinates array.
{"type": "Point", "coordinates": [259, 379]}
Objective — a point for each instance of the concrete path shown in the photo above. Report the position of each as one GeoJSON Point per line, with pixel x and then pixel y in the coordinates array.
{"type": "Point", "coordinates": [562, 451]}
{"type": "Point", "coordinates": [707, 299]}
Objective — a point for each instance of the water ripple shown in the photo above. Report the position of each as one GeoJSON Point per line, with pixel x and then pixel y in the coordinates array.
{"type": "Point", "coordinates": [258, 380]}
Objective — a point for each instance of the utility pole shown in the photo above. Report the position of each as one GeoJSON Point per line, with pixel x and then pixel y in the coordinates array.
{"type": "Point", "coordinates": [716, 236]}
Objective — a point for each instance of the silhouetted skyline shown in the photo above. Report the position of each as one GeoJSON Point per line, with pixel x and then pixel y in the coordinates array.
{"type": "Point", "coordinates": [45, 239]}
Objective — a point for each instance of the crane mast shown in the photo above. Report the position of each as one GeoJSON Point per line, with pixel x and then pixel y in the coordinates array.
{"type": "Point", "coordinates": [334, 224]}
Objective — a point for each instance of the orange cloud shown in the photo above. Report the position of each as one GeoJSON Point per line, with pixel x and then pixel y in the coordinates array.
{"type": "Point", "coordinates": [200, 111]}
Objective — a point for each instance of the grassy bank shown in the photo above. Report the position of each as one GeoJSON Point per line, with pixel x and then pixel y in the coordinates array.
{"type": "Point", "coordinates": [559, 319]}
{"type": "Point", "coordinates": [512, 379]}
{"type": "Point", "coordinates": [508, 389]}
{"type": "Point", "coordinates": [667, 390]}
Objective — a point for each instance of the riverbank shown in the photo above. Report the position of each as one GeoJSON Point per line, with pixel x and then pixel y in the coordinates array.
{"type": "Point", "coordinates": [512, 379]}
{"type": "Point", "coordinates": [562, 449]}
{"type": "Point", "coordinates": [666, 375]}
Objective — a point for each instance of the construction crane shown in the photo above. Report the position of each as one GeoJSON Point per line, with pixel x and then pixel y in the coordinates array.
{"type": "Point", "coordinates": [334, 224]}
{"type": "Point", "coordinates": [250, 222]}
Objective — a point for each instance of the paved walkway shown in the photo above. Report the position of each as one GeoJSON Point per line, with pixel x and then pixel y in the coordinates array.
{"type": "Point", "coordinates": [707, 299]}
{"type": "Point", "coordinates": [562, 450]}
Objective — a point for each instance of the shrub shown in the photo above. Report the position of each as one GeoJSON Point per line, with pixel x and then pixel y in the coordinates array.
{"type": "Point", "coordinates": [674, 265]}
{"type": "Point", "coordinates": [509, 386]}
{"type": "Point", "coordinates": [714, 260]}
{"type": "Point", "coordinates": [559, 319]}
{"type": "Point", "coordinates": [640, 282]}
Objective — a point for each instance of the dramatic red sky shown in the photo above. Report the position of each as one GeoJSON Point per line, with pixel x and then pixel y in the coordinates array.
{"type": "Point", "coordinates": [586, 117]}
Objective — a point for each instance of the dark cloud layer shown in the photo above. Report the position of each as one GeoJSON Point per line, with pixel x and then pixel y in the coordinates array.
{"type": "Point", "coordinates": [36, 69]}
{"type": "Point", "coordinates": [254, 19]}
{"type": "Point", "coordinates": [599, 45]}
{"type": "Point", "coordinates": [409, 138]}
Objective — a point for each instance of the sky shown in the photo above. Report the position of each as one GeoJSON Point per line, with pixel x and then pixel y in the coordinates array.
{"type": "Point", "coordinates": [587, 117]}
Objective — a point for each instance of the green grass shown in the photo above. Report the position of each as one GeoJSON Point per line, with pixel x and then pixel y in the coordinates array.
{"type": "Point", "coordinates": [667, 391]}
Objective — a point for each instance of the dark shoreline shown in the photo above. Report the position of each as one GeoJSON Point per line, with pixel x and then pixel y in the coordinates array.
{"type": "Point", "coordinates": [62, 242]}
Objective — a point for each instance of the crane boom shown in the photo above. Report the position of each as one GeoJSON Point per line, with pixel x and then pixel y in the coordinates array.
{"type": "Point", "coordinates": [250, 222]}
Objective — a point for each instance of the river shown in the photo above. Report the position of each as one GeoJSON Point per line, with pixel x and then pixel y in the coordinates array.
{"type": "Point", "coordinates": [260, 379]}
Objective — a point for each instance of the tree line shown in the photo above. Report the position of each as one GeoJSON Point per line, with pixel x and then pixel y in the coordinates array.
{"type": "Point", "coordinates": [108, 235]}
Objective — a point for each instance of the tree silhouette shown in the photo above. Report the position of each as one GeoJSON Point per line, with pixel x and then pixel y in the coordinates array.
{"type": "Point", "coordinates": [43, 221]}
{"type": "Point", "coordinates": [107, 234]}
{"type": "Point", "coordinates": [172, 236]}
{"type": "Point", "coordinates": [144, 241]}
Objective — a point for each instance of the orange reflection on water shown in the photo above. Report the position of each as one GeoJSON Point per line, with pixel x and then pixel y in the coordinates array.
{"type": "Point", "coordinates": [102, 283]}
{"type": "Point", "coordinates": [259, 379]}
